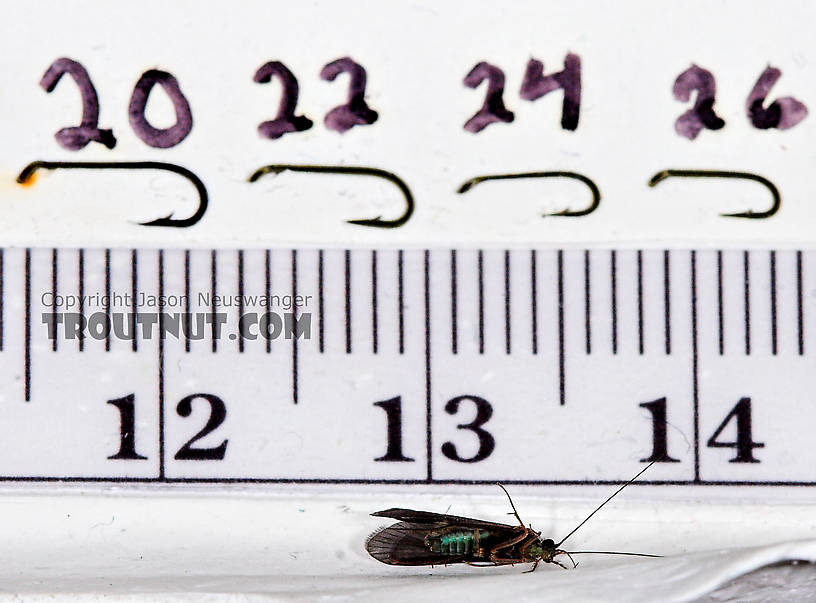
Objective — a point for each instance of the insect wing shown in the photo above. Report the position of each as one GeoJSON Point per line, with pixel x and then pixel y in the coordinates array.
{"type": "Point", "coordinates": [439, 521]}
{"type": "Point", "coordinates": [404, 542]}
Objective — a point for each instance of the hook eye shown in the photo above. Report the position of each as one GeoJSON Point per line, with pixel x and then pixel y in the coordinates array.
{"type": "Point", "coordinates": [569, 213]}
{"type": "Point", "coordinates": [376, 222]}
{"type": "Point", "coordinates": [28, 173]}
{"type": "Point", "coordinates": [750, 214]}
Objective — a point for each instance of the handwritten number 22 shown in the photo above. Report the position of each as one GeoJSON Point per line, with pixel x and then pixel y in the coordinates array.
{"type": "Point", "coordinates": [355, 112]}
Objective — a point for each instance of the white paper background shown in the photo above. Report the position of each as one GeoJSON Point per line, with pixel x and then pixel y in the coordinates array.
{"type": "Point", "coordinates": [250, 546]}
{"type": "Point", "coordinates": [416, 55]}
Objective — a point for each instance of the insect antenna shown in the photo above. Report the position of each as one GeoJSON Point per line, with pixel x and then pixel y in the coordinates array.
{"type": "Point", "coordinates": [511, 503]}
{"type": "Point", "coordinates": [642, 471]}
{"type": "Point", "coordinates": [612, 553]}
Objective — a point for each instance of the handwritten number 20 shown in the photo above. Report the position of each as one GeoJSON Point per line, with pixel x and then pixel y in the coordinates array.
{"type": "Point", "coordinates": [77, 137]}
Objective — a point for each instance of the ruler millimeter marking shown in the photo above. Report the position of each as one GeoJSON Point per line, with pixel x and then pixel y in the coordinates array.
{"type": "Point", "coordinates": [695, 355]}
{"type": "Point", "coordinates": [454, 314]}
{"type": "Point", "coordinates": [545, 354]}
{"type": "Point", "coordinates": [161, 367]}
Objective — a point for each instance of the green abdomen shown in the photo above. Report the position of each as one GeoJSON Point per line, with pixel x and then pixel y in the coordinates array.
{"type": "Point", "coordinates": [462, 542]}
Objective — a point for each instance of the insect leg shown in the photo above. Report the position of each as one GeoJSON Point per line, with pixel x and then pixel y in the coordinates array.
{"type": "Point", "coordinates": [506, 545]}
{"type": "Point", "coordinates": [525, 540]}
{"type": "Point", "coordinates": [560, 552]}
{"type": "Point", "coordinates": [492, 563]}
{"type": "Point", "coordinates": [499, 561]}
{"type": "Point", "coordinates": [512, 505]}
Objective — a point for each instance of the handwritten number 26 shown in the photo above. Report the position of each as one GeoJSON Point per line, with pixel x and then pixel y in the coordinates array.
{"type": "Point", "coordinates": [783, 113]}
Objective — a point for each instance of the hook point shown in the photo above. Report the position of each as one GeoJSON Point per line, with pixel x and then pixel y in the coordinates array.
{"type": "Point", "coordinates": [562, 213]}
{"type": "Point", "coordinates": [378, 221]}
{"type": "Point", "coordinates": [165, 221]}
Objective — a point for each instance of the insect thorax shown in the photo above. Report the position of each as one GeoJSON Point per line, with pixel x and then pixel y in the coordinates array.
{"type": "Point", "coordinates": [543, 549]}
{"type": "Point", "coordinates": [457, 541]}
{"type": "Point", "coordinates": [536, 550]}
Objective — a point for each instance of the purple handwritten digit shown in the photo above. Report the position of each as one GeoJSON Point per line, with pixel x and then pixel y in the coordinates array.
{"type": "Point", "coordinates": [355, 112]}
{"type": "Point", "coordinates": [536, 85]}
{"type": "Point", "coordinates": [783, 113]}
{"type": "Point", "coordinates": [493, 109]}
{"type": "Point", "coordinates": [78, 137]}
{"type": "Point", "coordinates": [702, 114]}
{"type": "Point", "coordinates": [285, 121]}
{"type": "Point", "coordinates": [166, 137]}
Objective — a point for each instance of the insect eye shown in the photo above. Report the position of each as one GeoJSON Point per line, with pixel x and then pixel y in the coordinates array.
{"type": "Point", "coordinates": [547, 543]}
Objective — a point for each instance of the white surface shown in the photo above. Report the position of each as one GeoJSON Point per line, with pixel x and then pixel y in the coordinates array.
{"type": "Point", "coordinates": [250, 546]}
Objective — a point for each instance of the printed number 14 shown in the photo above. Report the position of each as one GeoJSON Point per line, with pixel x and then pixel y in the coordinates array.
{"type": "Point", "coordinates": [740, 414]}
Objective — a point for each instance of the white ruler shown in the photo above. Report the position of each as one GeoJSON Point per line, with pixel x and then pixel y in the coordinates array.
{"type": "Point", "coordinates": [441, 366]}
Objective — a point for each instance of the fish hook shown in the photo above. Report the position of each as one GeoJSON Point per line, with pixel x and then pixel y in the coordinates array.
{"type": "Point", "coordinates": [377, 222]}
{"type": "Point", "coordinates": [593, 188]}
{"type": "Point", "coordinates": [750, 214]}
{"type": "Point", "coordinates": [28, 173]}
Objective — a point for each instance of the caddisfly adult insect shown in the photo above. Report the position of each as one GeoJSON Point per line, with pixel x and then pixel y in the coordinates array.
{"type": "Point", "coordinates": [425, 538]}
